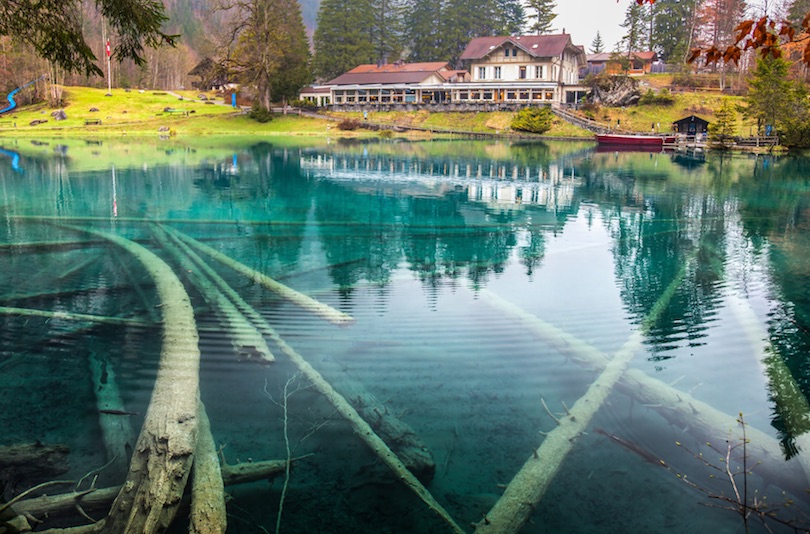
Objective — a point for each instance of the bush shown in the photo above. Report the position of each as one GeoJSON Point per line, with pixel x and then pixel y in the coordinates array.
{"type": "Point", "coordinates": [303, 104]}
{"type": "Point", "coordinates": [386, 134]}
{"type": "Point", "coordinates": [260, 114]}
{"type": "Point", "coordinates": [349, 124]}
{"type": "Point", "coordinates": [651, 98]}
{"type": "Point", "coordinates": [533, 120]}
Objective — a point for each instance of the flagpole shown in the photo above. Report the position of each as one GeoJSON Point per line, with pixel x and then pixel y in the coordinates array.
{"type": "Point", "coordinates": [109, 70]}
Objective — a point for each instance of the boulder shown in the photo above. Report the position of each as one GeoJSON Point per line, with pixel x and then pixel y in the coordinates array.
{"type": "Point", "coordinates": [37, 121]}
{"type": "Point", "coordinates": [93, 110]}
{"type": "Point", "coordinates": [59, 115]}
{"type": "Point", "coordinates": [615, 91]}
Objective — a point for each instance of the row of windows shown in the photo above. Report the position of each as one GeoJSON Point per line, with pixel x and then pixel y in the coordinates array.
{"type": "Point", "coordinates": [362, 96]}
{"type": "Point", "coordinates": [537, 72]}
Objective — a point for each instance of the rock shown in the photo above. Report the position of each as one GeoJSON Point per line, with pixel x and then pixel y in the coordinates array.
{"type": "Point", "coordinates": [93, 110]}
{"type": "Point", "coordinates": [59, 115]}
{"type": "Point", "coordinates": [163, 129]}
{"type": "Point", "coordinates": [167, 109]}
{"type": "Point", "coordinates": [202, 97]}
{"type": "Point", "coordinates": [615, 91]}
{"type": "Point", "coordinates": [37, 121]}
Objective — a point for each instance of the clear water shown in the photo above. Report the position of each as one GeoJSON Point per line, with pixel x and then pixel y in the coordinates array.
{"type": "Point", "coordinates": [477, 273]}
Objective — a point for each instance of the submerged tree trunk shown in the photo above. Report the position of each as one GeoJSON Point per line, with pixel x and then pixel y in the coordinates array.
{"type": "Point", "coordinates": [163, 455]}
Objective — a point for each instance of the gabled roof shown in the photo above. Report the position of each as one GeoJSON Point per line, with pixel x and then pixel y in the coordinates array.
{"type": "Point", "coordinates": [392, 73]}
{"type": "Point", "coordinates": [604, 57]}
{"type": "Point", "coordinates": [534, 45]}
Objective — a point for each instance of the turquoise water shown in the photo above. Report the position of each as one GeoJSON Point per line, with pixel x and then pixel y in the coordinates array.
{"type": "Point", "coordinates": [484, 279]}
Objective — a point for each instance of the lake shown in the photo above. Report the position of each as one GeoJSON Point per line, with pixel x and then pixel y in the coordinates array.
{"type": "Point", "coordinates": [543, 336]}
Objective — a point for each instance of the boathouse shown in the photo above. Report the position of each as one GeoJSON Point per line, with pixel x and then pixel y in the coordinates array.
{"type": "Point", "coordinates": [691, 126]}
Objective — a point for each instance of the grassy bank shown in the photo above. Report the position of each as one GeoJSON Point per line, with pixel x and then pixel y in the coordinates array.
{"type": "Point", "coordinates": [159, 113]}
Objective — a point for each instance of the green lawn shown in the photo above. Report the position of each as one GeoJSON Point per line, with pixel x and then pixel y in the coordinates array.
{"type": "Point", "coordinates": [141, 113]}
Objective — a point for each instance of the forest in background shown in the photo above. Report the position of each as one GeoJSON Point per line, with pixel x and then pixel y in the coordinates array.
{"type": "Point", "coordinates": [332, 36]}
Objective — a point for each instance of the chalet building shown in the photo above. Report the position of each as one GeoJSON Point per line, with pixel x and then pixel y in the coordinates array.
{"type": "Point", "coordinates": [394, 83]}
{"type": "Point", "coordinates": [612, 63]}
{"type": "Point", "coordinates": [505, 73]}
{"type": "Point", "coordinates": [523, 68]}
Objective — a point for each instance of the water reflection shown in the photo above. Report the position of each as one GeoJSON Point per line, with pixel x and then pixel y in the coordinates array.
{"type": "Point", "coordinates": [707, 257]}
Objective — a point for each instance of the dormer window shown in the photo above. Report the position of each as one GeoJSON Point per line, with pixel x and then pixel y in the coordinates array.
{"type": "Point", "coordinates": [505, 52]}
{"type": "Point", "coordinates": [514, 52]}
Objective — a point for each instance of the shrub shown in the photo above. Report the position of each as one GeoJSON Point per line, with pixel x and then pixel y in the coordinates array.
{"type": "Point", "coordinates": [349, 124]}
{"type": "Point", "coordinates": [534, 120]}
{"type": "Point", "coordinates": [651, 98]}
{"type": "Point", "coordinates": [303, 104]}
{"type": "Point", "coordinates": [259, 114]}
{"type": "Point", "coordinates": [386, 134]}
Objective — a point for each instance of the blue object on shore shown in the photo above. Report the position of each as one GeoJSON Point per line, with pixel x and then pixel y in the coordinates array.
{"type": "Point", "coordinates": [11, 103]}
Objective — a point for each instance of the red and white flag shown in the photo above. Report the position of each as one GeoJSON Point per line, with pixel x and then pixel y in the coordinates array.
{"type": "Point", "coordinates": [108, 49]}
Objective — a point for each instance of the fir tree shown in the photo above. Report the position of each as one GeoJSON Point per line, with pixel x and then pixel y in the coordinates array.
{"type": "Point", "coordinates": [343, 38]}
{"type": "Point", "coordinates": [543, 15]}
{"type": "Point", "coordinates": [635, 24]}
{"type": "Point", "coordinates": [722, 130]}
{"type": "Point", "coordinates": [597, 46]}
{"type": "Point", "coordinates": [673, 28]}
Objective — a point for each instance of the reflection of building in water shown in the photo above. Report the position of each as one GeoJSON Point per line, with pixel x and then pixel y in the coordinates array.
{"type": "Point", "coordinates": [488, 181]}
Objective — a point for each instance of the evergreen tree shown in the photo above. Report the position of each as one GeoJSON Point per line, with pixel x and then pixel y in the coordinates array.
{"type": "Point", "coordinates": [597, 46]}
{"type": "Point", "coordinates": [343, 38]}
{"type": "Point", "coordinates": [543, 15]}
{"type": "Point", "coordinates": [424, 36]}
{"type": "Point", "coordinates": [635, 24]}
{"type": "Point", "coordinates": [477, 18]}
{"type": "Point", "coordinates": [293, 71]}
{"type": "Point", "coordinates": [798, 9]}
{"type": "Point", "coordinates": [672, 29]}
{"type": "Point", "coordinates": [722, 130]}
{"type": "Point", "coordinates": [769, 93]}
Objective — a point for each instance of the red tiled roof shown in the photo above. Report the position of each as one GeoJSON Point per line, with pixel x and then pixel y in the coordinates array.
{"type": "Point", "coordinates": [535, 45]}
{"type": "Point", "coordinates": [606, 56]}
{"type": "Point", "coordinates": [392, 73]}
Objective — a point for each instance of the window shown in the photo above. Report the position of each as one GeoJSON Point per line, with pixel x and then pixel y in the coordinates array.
{"type": "Point", "coordinates": [514, 52]}
{"type": "Point", "coordinates": [497, 73]}
{"type": "Point", "coordinates": [505, 52]}
{"type": "Point", "coordinates": [488, 95]}
{"type": "Point", "coordinates": [549, 96]}
{"type": "Point", "coordinates": [522, 73]}
{"type": "Point", "coordinates": [510, 95]}
{"type": "Point", "coordinates": [482, 73]}
{"type": "Point", "coordinates": [539, 74]}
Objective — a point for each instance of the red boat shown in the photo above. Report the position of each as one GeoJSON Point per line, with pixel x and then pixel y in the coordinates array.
{"type": "Point", "coordinates": [635, 140]}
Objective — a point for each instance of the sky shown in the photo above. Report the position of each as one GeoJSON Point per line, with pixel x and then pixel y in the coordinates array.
{"type": "Point", "coordinates": [583, 18]}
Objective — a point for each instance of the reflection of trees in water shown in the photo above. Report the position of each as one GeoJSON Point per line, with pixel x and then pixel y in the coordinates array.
{"type": "Point", "coordinates": [654, 236]}
{"type": "Point", "coordinates": [775, 208]}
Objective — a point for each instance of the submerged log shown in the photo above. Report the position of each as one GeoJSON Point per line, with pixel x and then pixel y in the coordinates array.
{"type": "Point", "coordinates": [529, 485]}
{"type": "Point", "coordinates": [705, 422]}
{"type": "Point", "coordinates": [163, 454]}
{"type": "Point", "coordinates": [33, 461]}
{"type": "Point", "coordinates": [395, 433]}
{"type": "Point", "coordinates": [68, 316]}
{"type": "Point", "coordinates": [61, 505]}
{"type": "Point", "coordinates": [247, 341]}
{"type": "Point", "coordinates": [116, 429]}
{"type": "Point", "coordinates": [323, 310]}
{"type": "Point", "coordinates": [208, 514]}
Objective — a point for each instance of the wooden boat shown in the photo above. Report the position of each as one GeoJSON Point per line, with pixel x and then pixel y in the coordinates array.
{"type": "Point", "coordinates": [635, 140]}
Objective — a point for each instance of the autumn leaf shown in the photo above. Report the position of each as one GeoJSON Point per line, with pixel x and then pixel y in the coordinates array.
{"type": "Point", "coordinates": [693, 55]}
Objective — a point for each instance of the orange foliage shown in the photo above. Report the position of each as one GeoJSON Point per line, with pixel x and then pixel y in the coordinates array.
{"type": "Point", "coordinates": [766, 35]}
